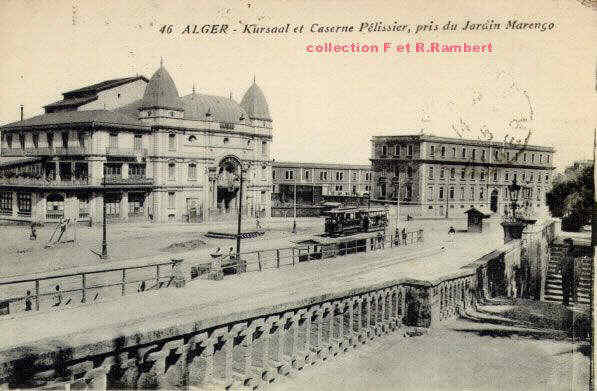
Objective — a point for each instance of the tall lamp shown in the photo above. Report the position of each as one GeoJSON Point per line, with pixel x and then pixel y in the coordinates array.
{"type": "Point", "coordinates": [514, 190]}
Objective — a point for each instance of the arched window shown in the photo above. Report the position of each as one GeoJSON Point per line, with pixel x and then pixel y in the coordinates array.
{"type": "Point", "coordinates": [192, 138]}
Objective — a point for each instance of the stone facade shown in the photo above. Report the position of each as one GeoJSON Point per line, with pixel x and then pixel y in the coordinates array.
{"type": "Point", "coordinates": [317, 181]}
{"type": "Point", "coordinates": [440, 176]}
{"type": "Point", "coordinates": [149, 154]}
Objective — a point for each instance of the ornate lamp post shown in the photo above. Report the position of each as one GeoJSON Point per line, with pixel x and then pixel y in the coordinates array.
{"type": "Point", "coordinates": [241, 171]}
{"type": "Point", "coordinates": [241, 265]}
{"type": "Point", "coordinates": [514, 190]}
{"type": "Point", "coordinates": [104, 254]}
{"type": "Point", "coordinates": [514, 225]}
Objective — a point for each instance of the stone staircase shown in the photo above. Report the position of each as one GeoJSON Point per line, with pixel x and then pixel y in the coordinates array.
{"type": "Point", "coordinates": [553, 281]}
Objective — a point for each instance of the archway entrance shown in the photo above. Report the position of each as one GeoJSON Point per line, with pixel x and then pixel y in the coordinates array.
{"type": "Point", "coordinates": [494, 200]}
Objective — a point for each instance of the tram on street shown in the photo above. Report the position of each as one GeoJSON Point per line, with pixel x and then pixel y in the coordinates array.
{"type": "Point", "coordinates": [355, 220]}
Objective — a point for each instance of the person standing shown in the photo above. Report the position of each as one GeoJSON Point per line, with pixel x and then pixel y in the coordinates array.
{"type": "Point", "coordinates": [28, 303]}
{"type": "Point", "coordinates": [33, 234]}
{"type": "Point", "coordinates": [57, 296]}
{"type": "Point", "coordinates": [452, 233]}
{"type": "Point", "coordinates": [566, 267]}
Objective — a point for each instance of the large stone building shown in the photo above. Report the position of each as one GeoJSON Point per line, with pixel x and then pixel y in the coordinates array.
{"type": "Point", "coordinates": [443, 177]}
{"type": "Point", "coordinates": [134, 143]}
{"type": "Point", "coordinates": [317, 181]}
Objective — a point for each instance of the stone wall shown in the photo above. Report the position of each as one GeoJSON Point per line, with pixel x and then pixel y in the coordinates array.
{"type": "Point", "coordinates": [536, 239]}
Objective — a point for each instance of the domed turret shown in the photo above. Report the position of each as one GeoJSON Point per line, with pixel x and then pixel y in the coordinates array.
{"type": "Point", "coordinates": [161, 92]}
{"type": "Point", "coordinates": [254, 103]}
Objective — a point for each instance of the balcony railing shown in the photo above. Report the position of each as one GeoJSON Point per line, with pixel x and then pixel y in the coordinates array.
{"type": "Point", "coordinates": [126, 152]}
{"type": "Point", "coordinates": [43, 182]}
{"type": "Point", "coordinates": [131, 180]}
{"type": "Point", "coordinates": [46, 151]}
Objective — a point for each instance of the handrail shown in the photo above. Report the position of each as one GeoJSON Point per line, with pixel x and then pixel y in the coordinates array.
{"type": "Point", "coordinates": [83, 285]}
{"type": "Point", "coordinates": [259, 260]}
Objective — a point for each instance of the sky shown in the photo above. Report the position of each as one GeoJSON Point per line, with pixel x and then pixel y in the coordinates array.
{"type": "Point", "coordinates": [325, 106]}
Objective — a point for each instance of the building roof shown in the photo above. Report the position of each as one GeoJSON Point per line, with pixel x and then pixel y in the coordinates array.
{"type": "Point", "coordinates": [101, 86]}
{"type": "Point", "coordinates": [482, 212]}
{"type": "Point", "coordinates": [337, 166]}
{"type": "Point", "coordinates": [71, 102]}
{"type": "Point", "coordinates": [11, 161]}
{"type": "Point", "coordinates": [255, 104]}
{"type": "Point", "coordinates": [213, 108]}
{"type": "Point", "coordinates": [161, 92]}
{"type": "Point", "coordinates": [76, 117]}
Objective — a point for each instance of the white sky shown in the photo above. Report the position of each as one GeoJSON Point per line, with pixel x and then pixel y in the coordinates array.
{"type": "Point", "coordinates": [325, 107]}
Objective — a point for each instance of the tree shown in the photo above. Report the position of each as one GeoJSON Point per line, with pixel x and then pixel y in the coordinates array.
{"type": "Point", "coordinates": [571, 197]}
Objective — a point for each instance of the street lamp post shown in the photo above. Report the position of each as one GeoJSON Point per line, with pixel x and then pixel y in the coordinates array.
{"type": "Point", "coordinates": [104, 254]}
{"type": "Point", "coordinates": [514, 190]}
{"type": "Point", "coordinates": [294, 209]}
{"type": "Point", "coordinates": [240, 208]}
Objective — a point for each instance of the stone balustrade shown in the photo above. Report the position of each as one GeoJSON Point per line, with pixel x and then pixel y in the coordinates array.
{"type": "Point", "coordinates": [249, 352]}
{"type": "Point", "coordinates": [258, 345]}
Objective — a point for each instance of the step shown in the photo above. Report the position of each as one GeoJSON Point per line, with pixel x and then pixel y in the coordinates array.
{"type": "Point", "coordinates": [559, 299]}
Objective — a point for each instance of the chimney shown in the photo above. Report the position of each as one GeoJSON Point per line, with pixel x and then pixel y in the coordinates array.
{"type": "Point", "coordinates": [21, 112]}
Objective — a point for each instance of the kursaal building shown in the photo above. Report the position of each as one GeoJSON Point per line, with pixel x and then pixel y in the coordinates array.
{"type": "Point", "coordinates": [148, 153]}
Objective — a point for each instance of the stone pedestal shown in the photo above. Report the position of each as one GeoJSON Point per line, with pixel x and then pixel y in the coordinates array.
{"type": "Point", "coordinates": [513, 230]}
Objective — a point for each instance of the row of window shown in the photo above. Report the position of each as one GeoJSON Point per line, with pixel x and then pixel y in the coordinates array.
{"type": "Point", "coordinates": [49, 138]}
{"type": "Point", "coordinates": [354, 188]}
{"type": "Point", "coordinates": [482, 173]}
{"type": "Point", "coordinates": [471, 194]}
{"type": "Point", "coordinates": [226, 140]}
{"type": "Point", "coordinates": [23, 203]}
{"type": "Point", "coordinates": [530, 157]}
{"type": "Point", "coordinates": [463, 152]}
{"type": "Point", "coordinates": [407, 150]}
{"type": "Point", "coordinates": [323, 175]}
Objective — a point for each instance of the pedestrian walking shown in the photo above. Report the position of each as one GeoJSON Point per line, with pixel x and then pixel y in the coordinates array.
{"type": "Point", "coordinates": [231, 253]}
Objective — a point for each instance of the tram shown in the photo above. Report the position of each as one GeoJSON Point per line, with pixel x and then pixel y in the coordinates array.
{"type": "Point", "coordinates": [355, 220]}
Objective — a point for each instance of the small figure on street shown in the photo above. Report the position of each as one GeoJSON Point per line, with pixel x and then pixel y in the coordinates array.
{"type": "Point", "coordinates": [28, 305]}
{"type": "Point", "coordinates": [57, 296]}
{"type": "Point", "coordinates": [404, 236]}
{"type": "Point", "coordinates": [566, 267]}
{"type": "Point", "coordinates": [231, 253]}
{"type": "Point", "coordinates": [141, 287]}
{"type": "Point", "coordinates": [33, 234]}
{"type": "Point", "coordinates": [257, 222]}
{"type": "Point", "coordinates": [451, 233]}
